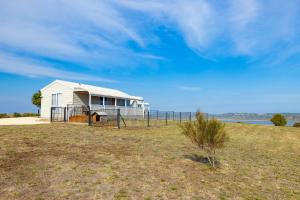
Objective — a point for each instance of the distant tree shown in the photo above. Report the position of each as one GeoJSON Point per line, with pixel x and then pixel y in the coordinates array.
{"type": "Point", "coordinates": [4, 115]}
{"type": "Point", "coordinates": [36, 99]}
{"type": "Point", "coordinates": [208, 135]}
{"type": "Point", "coordinates": [278, 120]}
{"type": "Point", "coordinates": [296, 124]}
{"type": "Point", "coordinates": [17, 114]}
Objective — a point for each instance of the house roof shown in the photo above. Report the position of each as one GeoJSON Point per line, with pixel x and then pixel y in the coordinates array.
{"type": "Point", "coordinates": [100, 113]}
{"type": "Point", "coordinates": [95, 90]}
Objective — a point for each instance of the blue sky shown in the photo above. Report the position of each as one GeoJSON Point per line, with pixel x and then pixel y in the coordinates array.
{"type": "Point", "coordinates": [233, 56]}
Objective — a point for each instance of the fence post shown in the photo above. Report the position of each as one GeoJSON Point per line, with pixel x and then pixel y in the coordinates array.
{"type": "Point", "coordinates": [190, 116]}
{"type": "Point", "coordinates": [157, 114]}
{"type": "Point", "coordinates": [65, 116]}
{"type": "Point", "coordinates": [148, 118]}
{"type": "Point", "coordinates": [89, 113]}
{"type": "Point", "coordinates": [173, 115]}
{"type": "Point", "coordinates": [119, 118]}
{"type": "Point", "coordinates": [180, 117]}
{"type": "Point", "coordinates": [166, 118]}
{"type": "Point", "coordinates": [51, 114]}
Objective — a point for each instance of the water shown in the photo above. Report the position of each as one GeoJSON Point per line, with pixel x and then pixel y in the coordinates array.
{"type": "Point", "coordinates": [259, 122]}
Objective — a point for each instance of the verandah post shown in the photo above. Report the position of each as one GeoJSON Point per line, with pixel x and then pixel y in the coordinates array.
{"type": "Point", "coordinates": [89, 116]}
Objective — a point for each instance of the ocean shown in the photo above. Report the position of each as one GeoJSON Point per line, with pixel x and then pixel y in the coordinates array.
{"type": "Point", "coordinates": [259, 122]}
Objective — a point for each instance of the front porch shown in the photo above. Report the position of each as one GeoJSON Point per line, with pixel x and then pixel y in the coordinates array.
{"type": "Point", "coordinates": [97, 102]}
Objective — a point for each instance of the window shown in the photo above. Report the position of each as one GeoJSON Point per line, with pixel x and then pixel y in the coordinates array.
{"type": "Point", "coordinates": [110, 101]}
{"type": "Point", "coordinates": [120, 102]}
{"type": "Point", "coordinates": [56, 99]}
{"type": "Point", "coordinates": [59, 99]}
{"type": "Point", "coordinates": [128, 102]}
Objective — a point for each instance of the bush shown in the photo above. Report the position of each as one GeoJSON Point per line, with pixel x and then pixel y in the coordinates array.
{"type": "Point", "coordinates": [4, 115]}
{"type": "Point", "coordinates": [208, 135]}
{"type": "Point", "coordinates": [17, 114]}
{"type": "Point", "coordinates": [29, 114]}
{"type": "Point", "coordinates": [297, 124]}
{"type": "Point", "coordinates": [278, 120]}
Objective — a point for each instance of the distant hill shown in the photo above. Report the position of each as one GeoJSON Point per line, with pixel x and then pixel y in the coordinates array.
{"type": "Point", "coordinates": [255, 116]}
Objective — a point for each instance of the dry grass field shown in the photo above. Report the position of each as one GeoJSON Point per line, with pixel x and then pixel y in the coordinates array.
{"type": "Point", "coordinates": [64, 161]}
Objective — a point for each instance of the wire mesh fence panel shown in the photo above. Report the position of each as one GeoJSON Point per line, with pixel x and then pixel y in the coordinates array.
{"type": "Point", "coordinates": [104, 117]}
{"type": "Point", "coordinates": [116, 117]}
{"type": "Point", "coordinates": [58, 114]}
{"type": "Point", "coordinates": [77, 113]}
{"type": "Point", "coordinates": [156, 118]}
{"type": "Point", "coordinates": [132, 119]}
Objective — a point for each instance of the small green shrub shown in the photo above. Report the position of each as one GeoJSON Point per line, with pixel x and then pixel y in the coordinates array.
{"type": "Point", "coordinates": [4, 115]}
{"type": "Point", "coordinates": [279, 120]}
{"type": "Point", "coordinates": [16, 114]}
{"type": "Point", "coordinates": [29, 114]}
{"type": "Point", "coordinates": [297, 124]}
{"type": "Point", "coordinates": [208, 135]}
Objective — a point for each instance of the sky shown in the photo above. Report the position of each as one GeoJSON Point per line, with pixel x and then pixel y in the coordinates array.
{"type": "Point", "coordinates": [182, 55]}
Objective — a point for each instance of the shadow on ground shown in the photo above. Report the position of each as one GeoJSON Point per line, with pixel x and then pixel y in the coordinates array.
{"type": "Point", "coordinates": [200, 159]}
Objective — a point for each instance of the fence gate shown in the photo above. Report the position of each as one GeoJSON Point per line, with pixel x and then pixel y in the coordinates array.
{"type": "Point", "coordinates": [58, 114]}
{"type": "Point", "coordinates": [77, 113]}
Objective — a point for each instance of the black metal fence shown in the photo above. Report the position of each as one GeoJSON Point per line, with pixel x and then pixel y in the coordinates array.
{"type": "Point", "coordinates": [118, 117]}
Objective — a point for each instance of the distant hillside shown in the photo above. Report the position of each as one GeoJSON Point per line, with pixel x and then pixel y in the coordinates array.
{"type": "Point", "coordinates": [255, 116]}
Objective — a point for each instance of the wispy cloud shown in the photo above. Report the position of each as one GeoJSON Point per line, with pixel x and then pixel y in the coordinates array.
{"type": "Point", "coordinates": [94, 33]}
{"type": "Point", "coordinates": [29, 68]}
{"type": "Point", "coordinates": [241, 15]}
{"type": "Point", "coordinates": [189, 88]}
{"type": "Point", "coordinates": [91, 34]}
{"type": "Point", "coordinates": [193, 19]}
{"type": "Point", "coordinates": [150, 56]}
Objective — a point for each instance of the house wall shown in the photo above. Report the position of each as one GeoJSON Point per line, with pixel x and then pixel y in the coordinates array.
{"type": "Point", "coordinates": [81, 98]}
{"type": "Point", "coordinates": [46, 102]}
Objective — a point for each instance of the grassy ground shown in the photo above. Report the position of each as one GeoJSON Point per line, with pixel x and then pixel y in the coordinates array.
{"type": "Point", "coordinates": [63, 161]}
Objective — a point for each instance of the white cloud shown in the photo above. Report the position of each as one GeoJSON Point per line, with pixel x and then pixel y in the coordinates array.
{"type": "Point", "coordinates": [24, 67]}
{"type": "Point", "coordinates": [195, 20]}
{"type": "Point", "coordinates": [91, 33]}
{"type": "Point", "coordinates": [241, 14]}
{"type": "Point", "coordinates": [257, 28]}
{"type": "Point", "coordinates": [94, 33]}
{"type": "Point", "coordinates": [150, 56]}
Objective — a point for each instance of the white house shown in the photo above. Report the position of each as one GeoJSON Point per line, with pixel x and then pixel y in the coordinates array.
{"type": "Point", "coordinates": [64, 94]}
